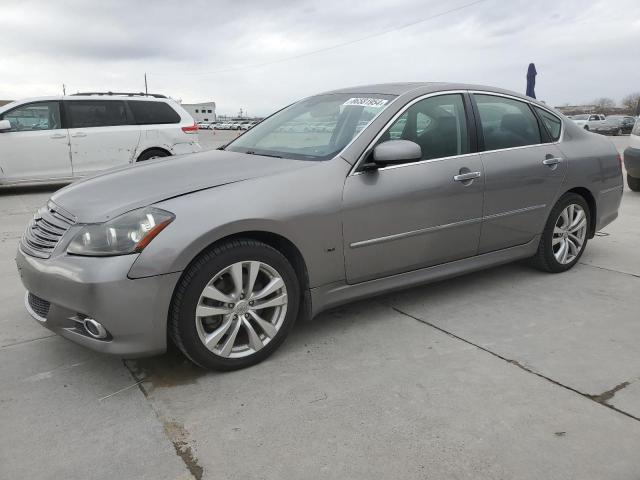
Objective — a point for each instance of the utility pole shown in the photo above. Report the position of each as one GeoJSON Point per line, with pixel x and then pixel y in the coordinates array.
{"type": "Point", "coordinates": [146, 91]}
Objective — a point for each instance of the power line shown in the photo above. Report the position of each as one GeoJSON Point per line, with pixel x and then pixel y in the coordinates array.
{"type": "Point", "coordinates": [340, 45]}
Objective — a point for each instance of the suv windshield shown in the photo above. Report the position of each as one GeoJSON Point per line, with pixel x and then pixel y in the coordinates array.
{"type": "Point", "coordinates": [316, 128]}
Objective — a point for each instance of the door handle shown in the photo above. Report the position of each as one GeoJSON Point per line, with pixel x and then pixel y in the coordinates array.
{"type": "Point", "coordinates": [549, 162]}
{"type": "Point", "coordinates": [58, 135]}
{"type": "Point", "coordinates": [464, 177]}
{"type": "Point", "coordinates": [79, 134]}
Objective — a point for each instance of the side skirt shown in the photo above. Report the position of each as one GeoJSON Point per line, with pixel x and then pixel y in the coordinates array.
{"type": "Point", "coordinates": [339, 293]}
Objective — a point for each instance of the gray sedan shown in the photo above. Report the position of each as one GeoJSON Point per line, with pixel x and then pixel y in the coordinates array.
{"type": "Point", "coordinates": [222, 251]}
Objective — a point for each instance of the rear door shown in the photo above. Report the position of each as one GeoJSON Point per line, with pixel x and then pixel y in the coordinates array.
{"type": "Point", "coordinates": [524, 169]}
{"type": "Point", "coordinates": [102, 135]}
{"type": "Point", "coordinates": [37, 146]}
{"type": "Point", "coordinates": [422, 213]}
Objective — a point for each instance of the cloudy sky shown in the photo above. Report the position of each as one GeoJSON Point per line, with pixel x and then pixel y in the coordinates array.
{"type": "Point", "coordinates": [258, 55]}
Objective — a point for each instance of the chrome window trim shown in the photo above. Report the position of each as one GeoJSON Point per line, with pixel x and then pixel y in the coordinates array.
{"type": "Point", "coordinates": [354, 170]}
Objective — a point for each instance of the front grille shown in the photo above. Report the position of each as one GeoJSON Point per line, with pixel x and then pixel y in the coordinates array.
{"type": "Point", "coordinates": [45, 230]}
{"type": "Point", "coordinates": [38, 305]}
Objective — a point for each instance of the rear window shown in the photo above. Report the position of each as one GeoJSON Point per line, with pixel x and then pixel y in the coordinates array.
{"type": "Point", "coordinates": [552, 123]}
{"type": "Point", "coordinates": [150, 113]}
{"type": "Point", "coordinates": [96, 113]}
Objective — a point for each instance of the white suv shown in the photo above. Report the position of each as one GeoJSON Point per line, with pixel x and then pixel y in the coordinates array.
{"type": "Point", "coordinates": [62, 138]}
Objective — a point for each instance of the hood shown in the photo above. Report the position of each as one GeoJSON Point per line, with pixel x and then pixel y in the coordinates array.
{"type": "Point", "coordinates": [117, 191]}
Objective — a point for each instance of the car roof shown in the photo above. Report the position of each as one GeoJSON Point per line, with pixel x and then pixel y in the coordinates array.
{"type": "Point", "coordinates": [422, 88]}
{"type": "Point", "coordinates": [89, 97]}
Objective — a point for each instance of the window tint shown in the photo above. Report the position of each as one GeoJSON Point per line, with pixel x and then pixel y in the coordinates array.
{"type": "Point", "coordinates": [506, 123]}
{"type": "Point", "coordinates": [34, 116]}
{"type": "Point", "coordinates": [437, 124]}
{"type": "Point", "coordinates": [149, 113]}
{"type": "Point", "coordinates": [551, 122]}
{"type": "Point", "coordinates": [95, 113]}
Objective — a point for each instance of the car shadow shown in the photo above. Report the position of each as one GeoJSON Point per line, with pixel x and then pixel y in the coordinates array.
{"type": "Point", "coordinates": [173, 369]}
{"type": "Point", "coordinates": [31, 188]}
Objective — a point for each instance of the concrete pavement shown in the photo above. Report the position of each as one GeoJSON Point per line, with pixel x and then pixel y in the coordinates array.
{"type": "Point", "coordinates": [506, 373]}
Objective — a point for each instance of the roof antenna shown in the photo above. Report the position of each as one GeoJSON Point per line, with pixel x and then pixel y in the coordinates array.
{"type": "Point", "coordinates": [146, 92]}
{"type": "Point", "coordinates": [64, 90]}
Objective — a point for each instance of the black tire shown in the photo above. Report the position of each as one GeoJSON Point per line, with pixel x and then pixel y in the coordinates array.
{"type": "Point", "coordinates": [634, 183]}
{"type": "Point", "coordinates": [153, 153]}
{"type": "Point", "coordinates": [586, 127]}
{"type": "Point", "coordinates": [182, 325]}
{"type": "Point", "coordinates": [544, 258]}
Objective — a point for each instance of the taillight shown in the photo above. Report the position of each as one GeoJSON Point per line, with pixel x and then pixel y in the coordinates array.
{"type": "Point", "coordinates": [191, 128]}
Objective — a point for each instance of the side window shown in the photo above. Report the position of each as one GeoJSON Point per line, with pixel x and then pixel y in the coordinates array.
{"type": "Point", "coordinates": [150, 113]}
{"type": "Point", "coordinates": [95, 113]}
{"type": "Point", "coordinates": [438, 124]}
{"type": "Point", "coordinates": [34, 116]}
{"type": "Point", "coordinates": [506, 123]}
{"type": "Point", "coordinates": [551, 122]}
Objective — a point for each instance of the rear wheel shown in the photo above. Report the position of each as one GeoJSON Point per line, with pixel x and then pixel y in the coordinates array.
{"type": "Point", "coordinates": [634, 183]}
{"type": "Point", "coordinates": [565, 235]}
{"type": "Point", "coordinates": [235, 305]}
{"type": "Point", "coordinates": [151, 154]}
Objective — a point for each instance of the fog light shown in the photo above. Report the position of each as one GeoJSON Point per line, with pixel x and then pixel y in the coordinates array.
{"type": "Point", "coordinates": [95, 329]}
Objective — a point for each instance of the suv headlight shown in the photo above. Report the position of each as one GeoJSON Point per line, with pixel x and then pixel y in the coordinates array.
{"type": "Point", "coordinates": [636, 128]}
{"type": "Point", "coordinates": [128, 233]}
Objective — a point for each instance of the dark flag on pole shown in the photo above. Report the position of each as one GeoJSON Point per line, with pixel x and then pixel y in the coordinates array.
{"type": "Point", "coordinates": [531, 81]}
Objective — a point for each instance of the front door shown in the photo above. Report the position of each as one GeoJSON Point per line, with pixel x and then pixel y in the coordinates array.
{"type": "Point", "coordinates": [414, 215]}
{"type": "Point", "coordinates": [101, 135]}
{"type": "Point", "coordinates": [524, 170]}
{"type": "Point", "coordinates": [36, 147]}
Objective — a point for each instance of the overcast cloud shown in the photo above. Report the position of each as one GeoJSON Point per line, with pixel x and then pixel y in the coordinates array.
{"type": "Point", "coordinates": [207, 50]}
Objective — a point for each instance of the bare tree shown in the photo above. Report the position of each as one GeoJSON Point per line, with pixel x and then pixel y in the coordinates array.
{"type": "Point", "coordinates": [631, 101]}
{"type": "Point", "coordinates": [604, 103]}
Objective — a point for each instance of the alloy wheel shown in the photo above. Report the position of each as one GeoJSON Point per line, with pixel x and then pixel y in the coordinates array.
{"type": "Point", "coordinates": [241, 309]}
{"type": "Point", "coordinates": [569, 234]}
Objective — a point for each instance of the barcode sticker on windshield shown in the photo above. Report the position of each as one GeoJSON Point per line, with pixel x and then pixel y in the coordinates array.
{"type": "Point", "coordinates": [366, 102]}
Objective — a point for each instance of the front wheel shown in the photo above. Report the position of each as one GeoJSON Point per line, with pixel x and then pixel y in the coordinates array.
{"type": "Point", "coordinates": [634, 183]}
{"type": "Point", "coordinates": [565, 235]}
{"type": "Point", "coordinates": [234, 305]}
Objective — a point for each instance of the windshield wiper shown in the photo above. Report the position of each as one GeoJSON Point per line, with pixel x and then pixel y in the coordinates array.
{"type": "Point", "coordinates": [251, 152]}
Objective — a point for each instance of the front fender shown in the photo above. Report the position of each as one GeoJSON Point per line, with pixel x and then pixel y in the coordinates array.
{"type": "Point", "coordinates": [302, 206]}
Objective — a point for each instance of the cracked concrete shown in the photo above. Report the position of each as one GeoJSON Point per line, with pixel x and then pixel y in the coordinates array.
{"type": "Point", "coordinates": [517, 374]}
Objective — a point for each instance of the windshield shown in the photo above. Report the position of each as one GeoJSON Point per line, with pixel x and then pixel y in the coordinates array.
{"type": "Point", "coordinates": [580, 117]}
{"type": "Point", "coordinates": [316, 128]}
{"type": "Point", "coordinates": [613, 120]}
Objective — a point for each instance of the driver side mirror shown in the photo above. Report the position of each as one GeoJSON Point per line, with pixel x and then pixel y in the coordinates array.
{"type": "Point", "coordinates": [5, 126]}
{"type": "Point", "coordinates": [395, 151]}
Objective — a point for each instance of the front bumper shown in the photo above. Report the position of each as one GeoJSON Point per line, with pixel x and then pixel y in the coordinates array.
{"type": "Point", "coordinates": [134, 311]}
{"type": "Point", "coordinates": [632, 161]}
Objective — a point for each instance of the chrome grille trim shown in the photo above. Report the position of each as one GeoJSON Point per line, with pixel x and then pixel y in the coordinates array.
{"type": "Point", "coordinates": [45, 230]}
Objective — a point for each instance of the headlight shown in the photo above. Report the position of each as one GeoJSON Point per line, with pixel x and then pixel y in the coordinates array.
{"type": "Point", "coordinates": [128, 233]}
{"type": "Point", "coordinates": [636, 128]}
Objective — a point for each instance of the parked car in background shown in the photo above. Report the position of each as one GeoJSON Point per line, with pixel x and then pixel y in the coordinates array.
{"type": "Point", "coordinates": [588, 121]}
{"type": "Point", "coordinates": [476, 177]}
{"type": "Point", "coordinates": [63, 138]}
{"type": "Point", "coordinates": [623, 124]}
{"type": "Point", "coordinates": [632, 158]}
{"type": "Point", "coordinates": [204, 126]}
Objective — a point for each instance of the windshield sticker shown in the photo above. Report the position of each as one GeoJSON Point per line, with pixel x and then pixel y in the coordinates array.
{"type": "Point", "coordinates": [366, 102]}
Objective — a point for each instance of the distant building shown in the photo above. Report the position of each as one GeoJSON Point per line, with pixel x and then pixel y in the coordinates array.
{"type": "Point", "coordinates": [201, 112]}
